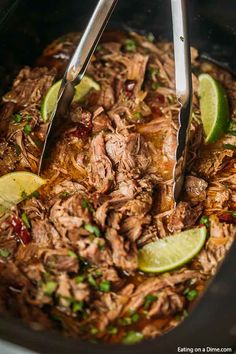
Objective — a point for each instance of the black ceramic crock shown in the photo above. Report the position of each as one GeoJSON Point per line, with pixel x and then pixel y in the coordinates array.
{"type": "Point", "coordinates": [26, 27]}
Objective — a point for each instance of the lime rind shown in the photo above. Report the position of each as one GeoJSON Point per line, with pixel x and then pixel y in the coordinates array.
{"type": "Point", "coordinates": [171, 252]}
{"type": "Point", "coordinates": [214, 107]}
{"type": "Point", "coordinates": [81, 90]}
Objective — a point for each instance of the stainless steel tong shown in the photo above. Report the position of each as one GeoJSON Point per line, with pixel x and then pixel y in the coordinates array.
{"type": "Point", "coordinates": [77, 67]}
{"type": "Point", "coordinates": [183, 89]}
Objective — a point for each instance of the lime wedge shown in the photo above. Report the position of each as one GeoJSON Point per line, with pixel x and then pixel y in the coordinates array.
{"type": "Point", "coordinates": [214, 107]}
{"type": "Point", "coordinates": [16, 186]}
{"type": "Point", "coordinates": [81, 91]}
{"type": "Point", "coordinates": [171, 252]}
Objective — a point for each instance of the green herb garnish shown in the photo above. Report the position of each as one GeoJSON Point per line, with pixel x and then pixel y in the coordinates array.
{"type": "Point", "coordinates": [79, 279]}
{"type": "Point", "coordinates": [155, 85]}
{"type": "Point", "coordinates": [64, 194]}
{"type": "Point", "coordinates": [92, 281]}
{"type": "Point", "coordinates": [35, 194]}
{"type": "Point", "coordinates": [191, 294]}
{"type": "Point", "coordinates": [25, 220]}
{"type": "Point", "coordinates": [137, 115]}
{"type": "Point", "coordinates": [132, 337]}
{"type": "Point", "coordinates": [17, 118]}
{"type": "Point", "coordinates": [130, 45]}
{"type": "Point", "coordinates": [72, 254]}
{"type": "Point", "coordinates": [125, 321]}
{"type": "Point", "coordinates": [154, 71]}
{"type": "Point", "coordinates": [105, 286]}
{"type": "Point", "coordinates": [93, 229]}
{"type": "Point", "coordinates": [112, 330]}
{"type": "Point", "coordinates": [205, 220]}
{"type": "Point", "coordinates": [77, 306]}
{"type": "Point", "coordinates": [94, 330]}
{"type": "Point", "coordinates": [49, 287]}
{"type": "Point", "coordinates": [27, 129]}
{"type": "Point", "coordinates": [4, 253]}
{"type": "Point", "coordinates": [149, 299]}
{"type": "Point", "coordinates": [85, 204]}
{"type": "Point", "coordinates": [135, 317]}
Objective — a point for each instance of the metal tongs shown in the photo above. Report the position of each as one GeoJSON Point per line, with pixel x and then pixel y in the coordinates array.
{"type": "Point", "coordinates": [76, 69]}
{"type": "Point", "coordinates": [183, 79]}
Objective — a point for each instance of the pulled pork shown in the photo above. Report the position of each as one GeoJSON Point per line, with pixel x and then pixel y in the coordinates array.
{"type": "Point", "coordinates": [69, 256]}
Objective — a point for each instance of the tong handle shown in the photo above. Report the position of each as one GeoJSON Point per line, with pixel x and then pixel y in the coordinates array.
{"type": "Point", "coordinates": [89, 41]}
{"type": "Point", "coordinates": [181, 50]}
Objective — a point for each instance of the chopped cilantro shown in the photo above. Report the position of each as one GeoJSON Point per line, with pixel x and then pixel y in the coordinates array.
{"type": "Point", "coordinates": [154, 71]}
{"type": "Point", "coordinates": [205, 220]}
{"type": "Point", "coordinates": [94, 330]}
{"type": "Point", "coordinates": [65, 194]}
{"type": "Point", "coordinates": [25, 220]}
{"type": "Point", "coordinates": [135, 317]}
{"type": "Point", "coordinates": [130, 45]}
{"type": "Point", "coordinates": [72, 254]}
{"type": "Point", "coordinates": [93, 229]}
{"type": "Point", "coordinates": [35, 194]}
{"type": "Point", "coordinates": [77, 306]}
{"type": "Point", "coordinates": [92, 281]}
{"type": "Point", "coordinates": [191, 294]}
{"type": "Point", "coordinates": [112, 330]}
{"type": "Point", "coordinates": [17, 118]}
{"type": "Point", "coordinates": [28, 117]}
{"type": "Point", "coordinates": [137, 115]}
{"type": "Point", "coordinates": [101, 247]}
{"type": "Point", "coordinates": [132, 337]}
{"type": "Point", "coordinates": [85, 204]}
{"type": "Point", "coordinates": [49, 287]}
{"type": "Point", "coordinates": [27, 129]}
{"type": "Point", "coordinates": [149, 299]}
{"type": "Point", "coordinates": [79, 279]}
{"type": "Point", "coordinates": [125, 321]}
{"type": "Point", "coordinates": [97, 273]}
{"type": "Point", "coordinates": [155, 85]}
{"type": "Point", "coordinates": [105, 286]}
{"type": "Point", "coordinates": [4, 253]}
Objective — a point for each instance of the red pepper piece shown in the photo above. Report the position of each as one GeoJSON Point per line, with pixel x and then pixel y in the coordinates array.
{"type": "Point", "coordinates": [228, 218]}
{"type": "Point", "coordinates": [20, 230]}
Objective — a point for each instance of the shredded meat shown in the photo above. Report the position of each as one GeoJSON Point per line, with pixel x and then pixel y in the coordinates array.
{"type": "Point", "coordinates": [184, 216]}
{"type": "Point", "coordinates": [102, 174]}
{"type": "Point", "coordinates": [69, 254]}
